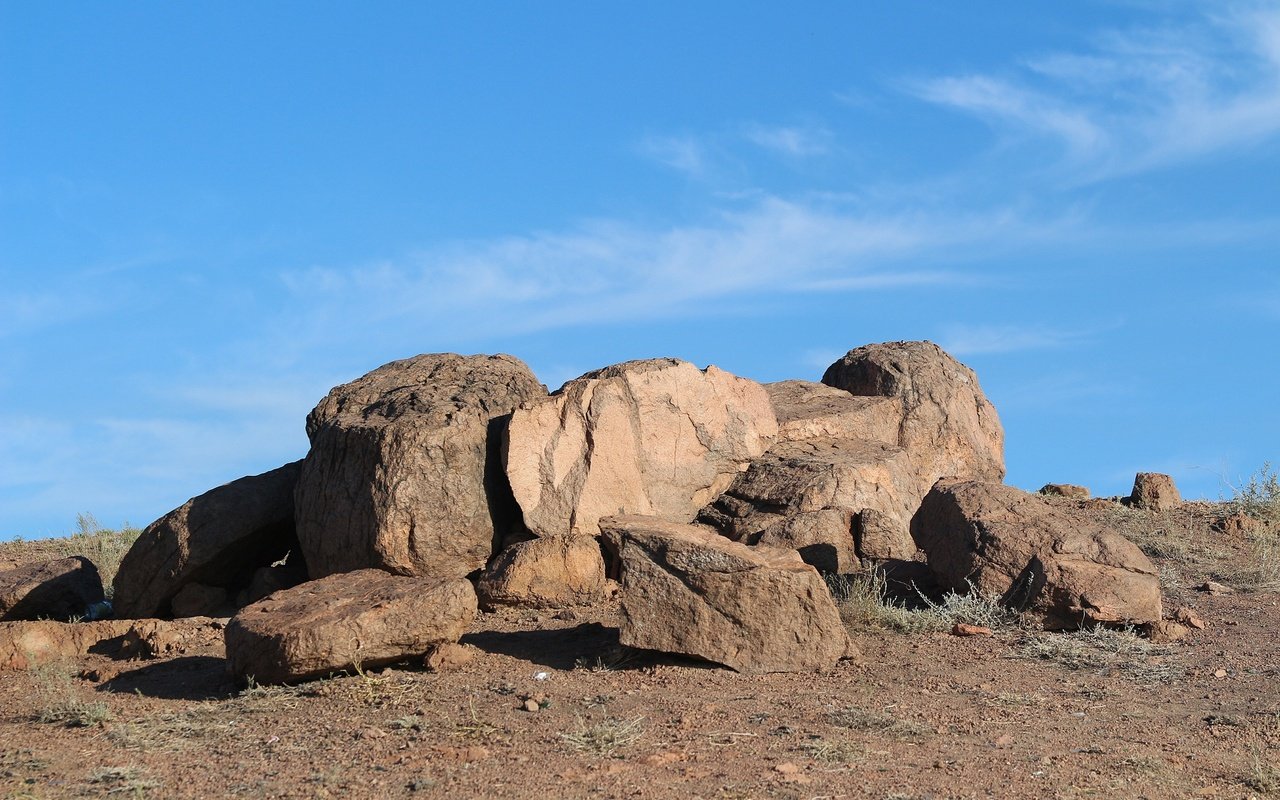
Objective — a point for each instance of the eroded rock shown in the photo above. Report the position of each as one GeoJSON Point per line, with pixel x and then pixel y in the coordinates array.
{"type": "Point", "coordinates": [1037, 556]}
{"type": "Point", "coordinates": [366, 618]}
{"type": "Point", "coordinates": [657, 437]}
{"type": "Point", "coordinates": [404, 472]}
{"type": "Point", "coordinates": [688, 590]}
{"type": "Point", "coordinates": [808, 411]}
{"type": "Point", "coordinates": [551, 572]}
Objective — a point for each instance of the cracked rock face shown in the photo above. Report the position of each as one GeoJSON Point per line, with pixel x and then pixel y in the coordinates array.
{"type": "Point", "coordinates": [404, 472]}
{"type": "Point", "coordinates": [657, 437]}
{"type": "Point", "coordinates": [947, 424]}
{"type": "Point", "coordinates": [688, 590]}
{"type": "Point", "coordinates": [818, 497]}
{"type": "Point", "coordinates": [1037, 556]}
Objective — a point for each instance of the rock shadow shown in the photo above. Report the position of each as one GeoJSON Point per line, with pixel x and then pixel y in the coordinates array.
{"type": "Point", "coordinates": [185, 678]}
{"type": "Point", "coordinates": [560, 648]}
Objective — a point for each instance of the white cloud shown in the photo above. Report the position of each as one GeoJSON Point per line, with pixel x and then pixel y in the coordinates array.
{"type": "Point", "coordinates": [1141, 99]}
{"type": "Point", "coordinates": [685, 154]}
{"type": "Point", "coordinates": [967, 340]}
{"type": "Point", "coordinates": [795, 142]}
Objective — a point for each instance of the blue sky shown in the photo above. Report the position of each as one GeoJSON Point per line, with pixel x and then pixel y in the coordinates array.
{"type": "Point", "coordinates": [212, 213]}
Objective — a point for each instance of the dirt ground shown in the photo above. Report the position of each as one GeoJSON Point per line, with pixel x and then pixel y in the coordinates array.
{"type": "Point", "coordinates": [1020, 713]}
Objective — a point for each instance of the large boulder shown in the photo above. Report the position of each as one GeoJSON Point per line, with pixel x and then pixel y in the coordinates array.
{"type": "Point", "coordinates": [688, 590]}
{"type": "Point", "coordinates": [360, 619]}
{"type": "Point", "coordinates": [1038, 556]}
{"type": "Point", "coordinates": [404, 471]}
{"type": "Point", "coordinates": [1154, 491]}
{"type": "Point", "coordinates": [808, 410]}
{"type": "Point", "coordinates": [947, 424]}
{"type": "Point", "coordinates": [657, 437]}
{"type": "Point", "coordinates": [216, 540]}
{"type": "Point", "coordinates": [552, 572]}
{"type": "Point", "coordinates": [61, 589]}
{"type": "Point", "coordinates": [814, 496]}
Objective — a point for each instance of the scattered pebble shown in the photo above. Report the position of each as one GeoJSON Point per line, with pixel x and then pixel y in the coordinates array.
{"type": "Point", "coordinates": [964, 629]}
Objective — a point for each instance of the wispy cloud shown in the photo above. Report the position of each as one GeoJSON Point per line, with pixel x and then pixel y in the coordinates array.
{"type": "Point", "coordinates": [1140, 99]}
{"type": "Point", "coordinates": [967, 340]}
{"type": "Point", "coordinates": [792, 141]}
{"type": "Point", "coordinates": [686, 154]}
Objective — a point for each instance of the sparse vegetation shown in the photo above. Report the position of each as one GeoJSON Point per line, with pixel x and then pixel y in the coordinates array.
{"type": "Point", "coordinates": [859, 719]}
{"type": "Point", "coordinates": [864, 602]}
{"type": "Point", "coordinates": [1258, 495]}
{"type": "Point", "coordinates": [606, 737]}
{"type": "Point", "coordinates": [103, 546]}
{"type": "Point", "coordinates": [60, 699]}
{"type": "Point", "coordinates": [1264, 773]}
{"type": "Point", "coordinates": [832, 751]}
{"type": "Point", "coordinates": [1105, 650]}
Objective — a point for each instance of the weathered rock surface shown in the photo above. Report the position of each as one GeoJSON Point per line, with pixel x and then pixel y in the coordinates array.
{"type": "Point", "coordinates": [1067, 490]}
{"type": "Point", "coordinates": [948, 425]}
{"type": "Point", "coordinates": [367, 617]}
{"type": "Point", "coordinates": [688, 590]}
{"type": "Point", "coordinates": [198, 600]}
{"type": "Point", "coordinates": [657, 437]}
{"type": "Point", "coordinates": [810, 495]}
{"type": "Point", "coordinates": [1037, 556]}
{"type": "Point", "coordinates": [1154, 491]}
{"type": "Point", "coordinates": [216, 539]}
{"type": "Point", "coordinates": [404, 471]}
{"type": "Point", "coordinates": [60, 589]}
{"type": "Point", "coordinates": [552, 572]}
{"type": "Point", "coordinates": [25, 645]}
{"type": "Point", "coordinates": [808, 411]}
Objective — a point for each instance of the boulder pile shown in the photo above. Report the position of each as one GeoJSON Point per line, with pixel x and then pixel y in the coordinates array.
{"type": "Point", "coordinates": [710, 505]}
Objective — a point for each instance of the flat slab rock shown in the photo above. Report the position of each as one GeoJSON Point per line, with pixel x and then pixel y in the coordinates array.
{"type": "Point", "coordinates": [811, 496]}
{"type": "Point", "coordinates": [808, 410]}
{"type": "Point", "coordinates": [404, 472]}
{"type": "Point", "coordinates": [216, 539]}
{"type": "Point", "coordinates": [364, 618]}
{"type": "Point", "coordinates": [658, 437]}
{"type": "Point", "coordinates": [1038, 556]}
{"type": "Point", "coordinates": [59, 589]}
{"type": "Point", "coordinates": [688, 590]}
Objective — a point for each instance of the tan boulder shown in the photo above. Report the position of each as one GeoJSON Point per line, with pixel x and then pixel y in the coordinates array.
{"type": "Point", "coordinates": [404, 472]}
{"type": "Point", "coordinates": [657, 437]}
{"type": "Point", "coordinates": [1041, 557]}
{"type": "Point", "coordinates": [948, 425]}
{"type": "Point", "coordinates": [216, 539]}
{"type": "Point", "coordinates": [810, 495]}
{"type": "Point", "coordinates": [1154, 491]}
{"type": "Point", "coordinates": [552, 572]}
{"type": "Point", "coordinates": [688, 590]}
{"type": "Point", "coordinates": [808, 410]}
{"type": "Point", "coordinates": [1067, 490]}
{"type": "Point", "coordinates": [365, 618]}
{"type": "Point", "coordinates": [60, 589]}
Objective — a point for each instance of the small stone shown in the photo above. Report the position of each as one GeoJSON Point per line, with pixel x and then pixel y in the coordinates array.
{"type": "Point", "coordinates": [1189, 618]}
{"type": "Point", "coordinates": [370, 733]}
{"type": "Point", "coordinates": [965, 629]}
{"type": "Point", "coordinates": [448, 656]}
{"type": "Point", "coordinates": [1003, 741]}
{"type": "Point", "coordinates": [1221, 673]}
{"type": "Point", "coordinates": [1166, 631]}
{"type": "Point", "coordinates": [530, 705]}
{"type": "Point", "coordinates": [1213, 587]}
{"type": "Point", "coordinates": [786, 768]}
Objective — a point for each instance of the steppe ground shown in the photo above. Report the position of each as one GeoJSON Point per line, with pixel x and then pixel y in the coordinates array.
{"type": "Point", "coordinates": [920, 714]}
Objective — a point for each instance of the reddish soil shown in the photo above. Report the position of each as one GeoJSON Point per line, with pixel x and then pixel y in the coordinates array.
{"type": "Point", "coordinates": [918, 715]}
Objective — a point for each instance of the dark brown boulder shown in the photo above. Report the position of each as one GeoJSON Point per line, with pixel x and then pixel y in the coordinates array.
{"type": "Point", "coordinates": [217, 540]}
{"type": "Point", "coordinates": [1154, 491]}
{"type": "Point", "coordinates": [948, 426]}
{"type": "Point", "coordinates": [1037, 556]}
{"type": "Point", "coordinates": [367, 618]}
{"type": "Point", "coordinates": [404, 472]}
{"type": "Point", "coordinates": [61, 589]}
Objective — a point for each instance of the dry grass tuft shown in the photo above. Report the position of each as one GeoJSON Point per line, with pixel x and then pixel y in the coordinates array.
{"type": "Point", "coordinates": [61, 701]}
{"type": "Point", "coordinates": [863, 602]}
{"type": "Point", "coordinates": [1106, 651]}
{"type": "Point", "coordinates": [604, 738]}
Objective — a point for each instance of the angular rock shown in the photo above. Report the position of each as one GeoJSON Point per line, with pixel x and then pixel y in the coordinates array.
{"type": "Point", "coordinates": [808, 410]}
{"type": "Point", "coordinates": [948, 425]}
{"type": "Point", "coordinates": [61, 589]}
{"type": "Point", "coordinates": [1037, 556]}
{"type": "Point", "coordinates": [552, 572]}
{"type": "Point", "coordinates": [688, 590]}
{"type": "Point", "coordinates": [657, 437]}
{"type": "Point", "coordinates": [1068, 490]}
{"type": "Point", "coordinates": [216, 539]}
{"type": "Point", "coordinates": [365, 618]}
{"type": "Point", "coordinates": [810, 495]}
{"type": "Point", "coordinates": [1154, 491]}
{"type": "Point", "coordinates": [404, 471]}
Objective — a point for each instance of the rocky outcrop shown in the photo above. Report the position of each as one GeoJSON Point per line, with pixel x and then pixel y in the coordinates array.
{"type": "Point", "coordinates": [404, 472]}
{"type": "Point", "coordinates": [812, 495]}
{"type": "Point", "coordinates": [366, 618]}
{"type": "Point", "coordinates": [1037, 556]}
{"type": "Point", "coordinates": [553, 572]}
{"type": "Point", "coordinates": [688, 590]}
{"type": "Point", "coordinates": [26, 645]}
{"type": "Point", "coordinates": [61, 589]}
{"type": "Point", "coordinates": [217, 540]}
{"type": "Point", "coordinates": [1154, 491]}
{"type": "Point", "coordinates": [1067, 490]}
{"type": "Point", "coordinates": [657, 437]}
{"type": "Point", "coordinates": [808, 411]}
{"type": "Point", "coordinates": [947, 424]}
